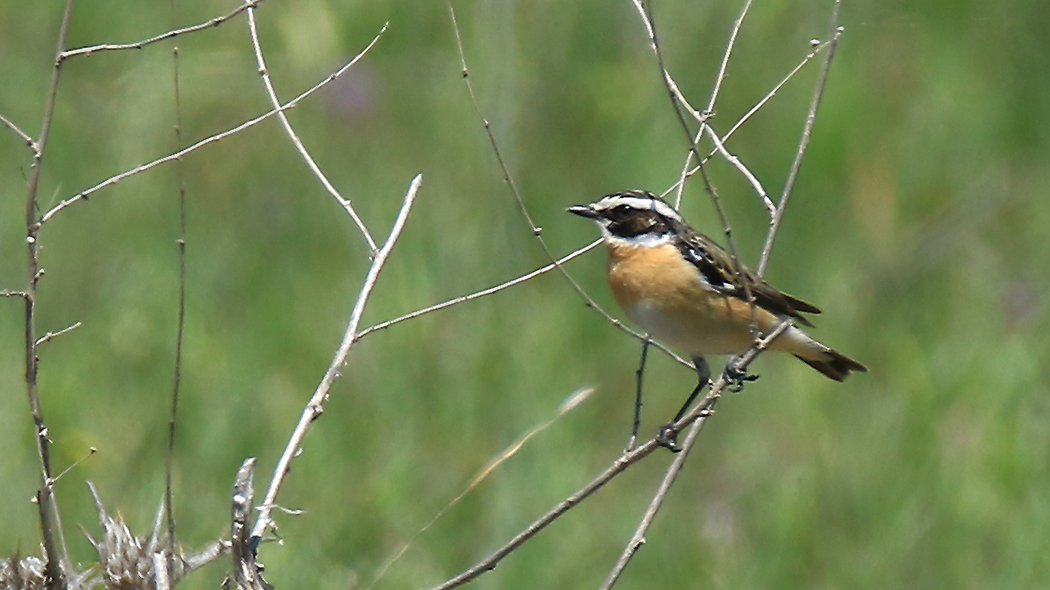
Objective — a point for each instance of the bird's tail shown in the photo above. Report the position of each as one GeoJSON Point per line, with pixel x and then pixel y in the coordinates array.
{"type": "Point", "coordinates": [834, 364]}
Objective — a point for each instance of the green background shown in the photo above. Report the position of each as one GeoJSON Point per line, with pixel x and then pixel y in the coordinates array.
{"type": "Point", "coordinates": [918, 224]}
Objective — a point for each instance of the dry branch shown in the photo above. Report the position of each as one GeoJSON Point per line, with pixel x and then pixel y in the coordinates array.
{"type": "Point", "coordinates": [315, 407]}
{"type": "Point", "coordinates": [83, 195]}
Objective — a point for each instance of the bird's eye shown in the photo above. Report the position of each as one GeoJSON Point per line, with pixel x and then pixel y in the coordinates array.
{"type": "Point", "coordinates": [622, 210]}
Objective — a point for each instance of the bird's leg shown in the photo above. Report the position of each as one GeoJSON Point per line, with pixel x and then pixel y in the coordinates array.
{"type": "Point", "coordinates": [667, 437]}
{"type": "Point", "coordinates": [638, 396]}
{"type": "Point", "coordinates": [737, 377]}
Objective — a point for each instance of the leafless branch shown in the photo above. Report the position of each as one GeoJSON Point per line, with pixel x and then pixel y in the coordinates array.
{"type": "Point", "coordinates": [700, 412]}
{"type": "Point", "coordinates": [315, 407]}
{"type": "Point", "coordinates": [314, 168]}
{"type": "Point", "coordinates": [807, 130]}
{"type": "Point", "coordinates": [18, 131]}
{"type": "Point", "coordinates": [696, 417]}
{"type": "Point", "coordinates": [478, 294]}
{"type": "Point", "coordinates": [712, 101]}
{"type": "Point", "coordinates": [83, 195]}
{"type": "Point", "coordinates": [536, 231]}
{"type": "Point", "coordinates": [168, 35]}
{"type": "Point", "coordinates": [575, 399]}
{"type": "Point", "coordinates": [50, 335]}
{"type": "Point", "coordinates": [247, 573]}
{"type": "Point", "coordinates": [46, 504]}
{"type": "Point", "coordinates": [735, 161]}
{"type": "Point", "coordinates": [173, 420]}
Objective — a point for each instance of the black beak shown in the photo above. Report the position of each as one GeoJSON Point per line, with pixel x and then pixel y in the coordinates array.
{"type": "Point", "coordinates": [583, 211]}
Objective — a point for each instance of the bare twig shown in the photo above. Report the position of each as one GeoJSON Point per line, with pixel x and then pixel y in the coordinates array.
{"type": "Point", "coordinates": [817, 48]}
{"type": "Point", "coordinates": [247, 574]}
{"type": "Point", "coordinates": [10, 293]}
{"type": "Point", "coordinates": [735, 161]}
{"type": "Point", "coordinates": [168, 35]}
{"type": "Point", "coordinates": [714, 97]}
{"type": "Point", "coordinates": [807, 130]}
{"type": "Point", "coordinates": [695, 417]}
{"type": "Point", "coordinates": [700, 412]}
{"type": "Point", "coordinates": [478, 294]}
{"type": "Point", "coordinates": [173, 420]}
{"type": "Point", "coordinates": [575, 399]}
{"type": "Point", "coordinates": [709, 187]}
{"type": "Point", "coordinates": [55, 577]}
{"type": "Point", "coordinates": [83, 195]}
{"type": "Point", "coordinates": [51, 335]}
{"type": "Point", "coordinates": [536, 231]}
{"type": "Point", "coordinates": [315, 407]}
{"type": "Point", "coordinates": [648, 20]}
{"type": "Point", "coordinates": [18, 131]}
{"type": "Point", "coordinates": [299, 147]}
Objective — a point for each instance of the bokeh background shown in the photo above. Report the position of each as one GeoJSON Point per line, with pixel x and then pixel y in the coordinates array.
{"type": "Point", "coordinates": [918, 224]}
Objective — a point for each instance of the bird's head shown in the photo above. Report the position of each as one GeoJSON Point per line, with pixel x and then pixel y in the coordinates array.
{"type": "Point", "coordinates": [632, 217]}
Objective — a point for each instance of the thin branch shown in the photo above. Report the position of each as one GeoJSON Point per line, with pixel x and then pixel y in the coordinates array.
{"type": "Point", "coordinates": [701, 411]}
{"type": "Point", "coordinates": [536, 231]}
{"type": "Point", "coordinates": [315, 407]}
{"type": "Point", "coordinates": [478, 294]}
{"type": "Point", "coordinates": [735, 161]}
{"type": "Point", "coordinates": [83, 195]}
{"type": "Point", "coordinates": [687, 172]}
{"type": "Point", "coordinates": [55, 577]}
{"type": "Point", "coordinates": [672, 86]}
{"type": "Point", "coordinates": [22, 134]}
{"type": "Point", "coordinates": [169, 456]}
{"type": "Point", "coordinates": [247, 573]}
{"type": "Point", "coordinates": [696, 417]}
{"type": "Point", "coordinates": [650, 24]}
{"type": "Point", "coordinates": [168, 35]}
{"type": "Point", "coordinates": [711, 102]}
{"type": "Point", "coordinates": [575, 399]}
{"type": "Point", "coordinates": [9, 293]}
{"type": "Point", "coordinates": [807, 130]}
{"type": "Point", "coordinates": [314, 168]}
{"type": "Point", "coordinates": [51, 335]}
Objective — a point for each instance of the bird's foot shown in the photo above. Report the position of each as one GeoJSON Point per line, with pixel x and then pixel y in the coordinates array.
{"type": "Point", "coordinates": [737, 377]}
{"type": "Point", "coordinates": [667, 438]}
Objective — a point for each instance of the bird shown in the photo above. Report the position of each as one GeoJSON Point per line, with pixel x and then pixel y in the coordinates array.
{"type": "Point", "coordinates": [685, 290]}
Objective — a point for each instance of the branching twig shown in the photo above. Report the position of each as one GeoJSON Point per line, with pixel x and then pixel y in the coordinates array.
{"type": "Point", "coordinates": [315, 407]}
{"type": "Point", "coordinates": [168, 35]}
{"type": "Point", "coordinates": [696, 417]}
{"type": "Point", "coordinates": [51, 335]}
{"type": "Point", "coordinates": [701, 411]}
{"type": "Point", "coordinates": [83, 195]}
{"type": "Point", "coordinates": [477, 294]}
{"type": "Point", "coordinates": [169, 456]}
{"type": "Point", "coordinates": [536, 231]}
{"type": "Point", "coordinates": [575, 399]}
{"type": "Point", "coordinates": [45, 495]}
{"type": "Point", "coordinates": [25, 136]}
{"type": "Point", "coordinates": [714, 96]}
{"type": "Point", "coordinates": [807, 130]}
{"type": "Point", "coordinates": [817, 48]}
{"type": "Point", "coordinates": [299, 147]}
{"type": "Point", "coordinates": [735, 161]}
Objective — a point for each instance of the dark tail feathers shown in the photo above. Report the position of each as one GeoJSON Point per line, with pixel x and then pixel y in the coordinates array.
{"type": "Point", "coordinates": [835, 366]}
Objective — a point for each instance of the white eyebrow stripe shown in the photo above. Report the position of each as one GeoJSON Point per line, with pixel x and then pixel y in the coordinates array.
{"type": "Point", "coordinates": [640, 203]}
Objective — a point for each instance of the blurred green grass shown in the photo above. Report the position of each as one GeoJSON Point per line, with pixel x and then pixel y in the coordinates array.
{"type": "Point", "coordinates": [917, 224]}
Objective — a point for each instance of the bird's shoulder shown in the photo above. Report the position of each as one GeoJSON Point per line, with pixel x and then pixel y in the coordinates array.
{"type": "Point", "coordinates": [721, 274]}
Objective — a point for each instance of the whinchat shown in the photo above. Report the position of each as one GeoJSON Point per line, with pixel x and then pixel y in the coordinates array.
{"type": "Point", "coordinates": [685, 290]}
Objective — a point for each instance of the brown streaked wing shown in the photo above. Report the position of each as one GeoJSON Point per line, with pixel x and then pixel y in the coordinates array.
{"type": "Point", "coordinates": [716, 265]}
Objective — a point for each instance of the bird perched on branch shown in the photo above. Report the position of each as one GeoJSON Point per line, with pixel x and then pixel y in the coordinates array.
{"type": "Point", "coordinates": [685, 290]}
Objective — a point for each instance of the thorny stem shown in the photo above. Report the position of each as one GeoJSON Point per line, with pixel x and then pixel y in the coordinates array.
{"type": "Point", "coordinates": [55, 577]}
